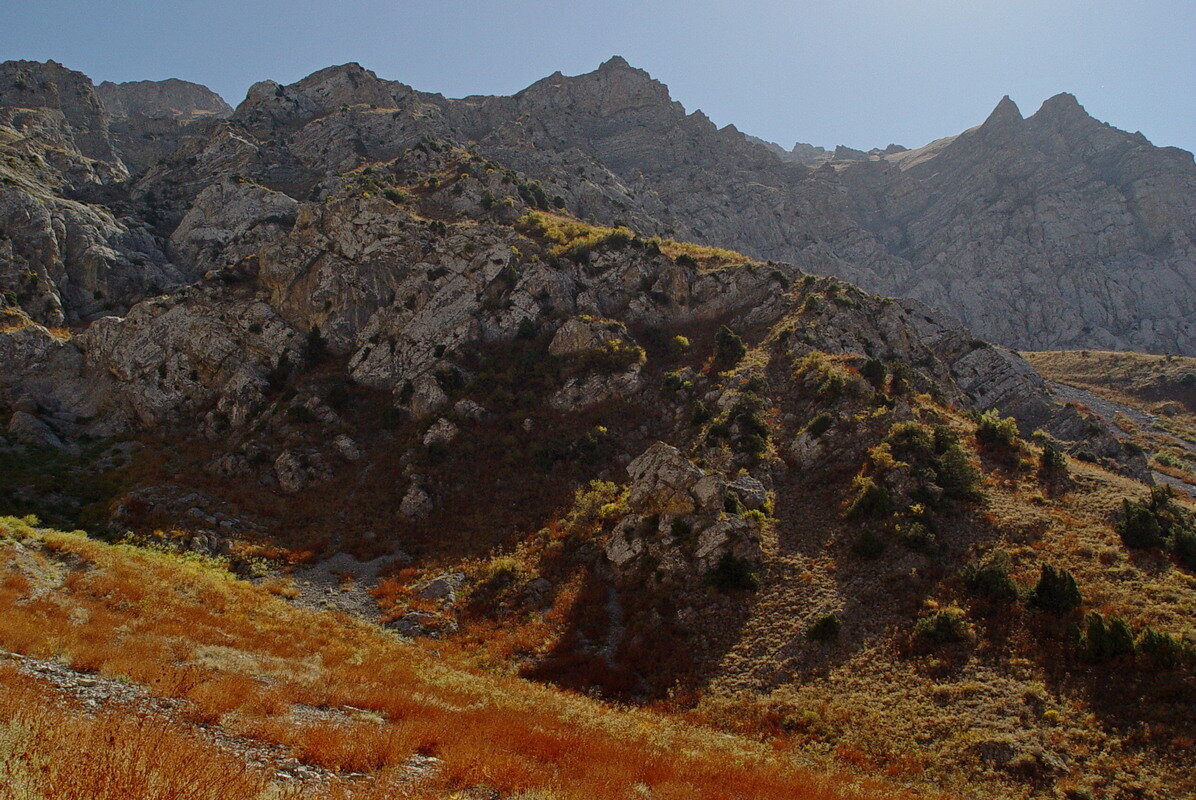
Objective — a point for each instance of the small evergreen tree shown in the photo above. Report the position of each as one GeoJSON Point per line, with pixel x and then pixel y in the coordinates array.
{"type": "Point", "coordinates": [874, 372]}
{"type": "Point", "coordinates": [1056, 591]}
{"type": "Point", "coordinates": [729, 347]}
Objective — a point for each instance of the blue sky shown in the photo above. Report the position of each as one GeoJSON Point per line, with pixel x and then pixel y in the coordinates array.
{"type": "Point", "coordinates": [858, 72]}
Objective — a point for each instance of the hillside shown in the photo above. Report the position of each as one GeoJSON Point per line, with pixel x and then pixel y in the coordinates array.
{"type": "Point", "coordinates": [1151, 398]}
{"type": "Point", "coordinates": [213, 688]}
{"type": "Point", "coordinates": [462, 445]}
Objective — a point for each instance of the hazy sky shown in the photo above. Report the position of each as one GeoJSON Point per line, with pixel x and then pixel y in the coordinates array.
{"type": "Point", "coordinates": [857, 72]}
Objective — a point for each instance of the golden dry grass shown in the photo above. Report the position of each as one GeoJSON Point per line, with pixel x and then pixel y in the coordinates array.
{"type": "Point", "coordinates": [243, 658]}
{"type": "Point", "coordinates": [51, 752]}
{"type": "Point", "coordinates": [1137, 379]}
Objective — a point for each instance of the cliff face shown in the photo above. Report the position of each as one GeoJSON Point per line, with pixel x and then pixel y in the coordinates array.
{"type": "Point", "coordinates": [1051, 231]}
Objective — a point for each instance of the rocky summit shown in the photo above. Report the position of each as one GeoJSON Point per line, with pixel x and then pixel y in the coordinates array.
{"type": "Point", "coordinates": [355, 386]}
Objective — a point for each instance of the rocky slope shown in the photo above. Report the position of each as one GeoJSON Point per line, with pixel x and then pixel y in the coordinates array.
{"type": "Point", "coordinates": [355, 321]}
{"type": "Point", "coordinates": [952, 224]}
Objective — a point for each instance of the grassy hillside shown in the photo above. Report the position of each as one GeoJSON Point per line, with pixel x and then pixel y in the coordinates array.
{"type": "Point", "coordinates": [1163, 387]}
{"type": "Point", "coordinates": [340, 695]}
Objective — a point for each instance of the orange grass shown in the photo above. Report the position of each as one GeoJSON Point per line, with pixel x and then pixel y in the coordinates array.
{"type": "Point", "coordinates": [49, 751]}
{"type": "Point", "coordinates": [243, 658]}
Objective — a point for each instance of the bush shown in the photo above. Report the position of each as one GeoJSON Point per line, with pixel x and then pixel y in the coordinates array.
{"type": "Point", "coordinates": [1103, 640]}
{"type": "Point", "coordinates": [869, 545]}
{"type": "Point", "coordinates": [993, 430]}
{"type": "Point", "coordinates": [1158, 521]}
{"type": "Point", "coordinates": [1185, 547]}
{"type": "Point", "coordinates": [990, 579]}
{"type": "Point", "coordinates": [278, 375]}
{"type": "Point", "coordinates": [820, 424]}
{"type": "Point", "coordinates": [729, 347]}
{"type": "Point", "coordinates": [942, 627]}
{"type": "Point", "coordinates": [824, 628]}
{"type": "Point", "coordinates": [1139, 525]}
{"type": "Point", "coordinates": [1052, 464]}
{"type": "Point", "coordinates": [673, 382]}
{"type": "Point", "coordinates": [1162, 649]}
{"type": "Point", "coordinates": [734, 574]}
{"type": "Point", "coordinates": [1056, 591]}
{"type": "Point", "coordinates": [875, 373]}
{"type": "Point", "coordinates": [315, 349]}
{"type": "Point", "coordinates": [917, 536]}
{"type": "Point", "coordinates": [870, 500]}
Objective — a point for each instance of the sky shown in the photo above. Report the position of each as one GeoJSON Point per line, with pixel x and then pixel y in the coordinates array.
{"type": "Point", "coordinates": [864, 73]}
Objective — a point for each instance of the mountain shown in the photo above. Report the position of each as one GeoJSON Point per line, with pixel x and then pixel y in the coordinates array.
{"type": "Point", "coordinates": [526, 381]}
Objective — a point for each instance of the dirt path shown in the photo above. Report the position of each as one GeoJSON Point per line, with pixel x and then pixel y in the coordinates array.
{"type": "Point", "coordinates": [1109, 410]}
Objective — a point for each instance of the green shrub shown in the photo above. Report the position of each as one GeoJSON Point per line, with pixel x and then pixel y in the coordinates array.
{"type": "Point", "coordinates": [278, 375]}
{"type": "Point", "coordinates": [990, 578]}
{"type": "Point", "coordinates": [728, 347]}
{"type": "Point", "coordinates": [820, 424]}
{"type": "Point", "coordinates": [1163, 650]}
{"type": "Point", "coordinates": [734, 574]}
{"type": "Point", "coordinates": [871, 499]}
{"type": "Point", "coordinates": [956, 474]}
{"type": "Point", "coordinates": [1052, 464]}
{"type": "Point", "coordinates": [869, 545]}
{"type": "Point", "coordinates": [917, 536]}
{"type": "Point", "coordinates": [1184, 545]}
{"type": "Point", "coordinates": [315, 348]}
{"type": "Point", "coordinates": [1056, 591]}
{"type": "Point", "coordinates": [1105, 639]}
{"type": "Point", "coordinates": [824, 628]}
{"type": "Point", "coordinates": [1158, 521]}
{"type": "Point", "coordinates": [875, 373]}
{"type": "Point", "coordinates": [673, 382]}
{"type": "Point", "coordinates": [1139, 525]}
{"type": "Point", "coordinates": [993, 430]}
{"type": "Point", "coordinates": [942, 627]}
{"type": "Point", "coordinates": [398, 196]}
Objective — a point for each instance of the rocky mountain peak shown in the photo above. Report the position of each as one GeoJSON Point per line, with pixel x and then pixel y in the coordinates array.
{"type": "Point", "coordinates": [617, 62]}
{"type": "Point", "coordinates": [614, 87]}
{"type": "Point", "coordinates": [166, 98]}
{"type": "Point", "coordinates": [269, 103]}
{"type": "Point", "coordinates": [36, 84]}
{"type": "Point", "coordinates": [1005, 117]}
{"type": "Point", "coordinates": [1062, 106]}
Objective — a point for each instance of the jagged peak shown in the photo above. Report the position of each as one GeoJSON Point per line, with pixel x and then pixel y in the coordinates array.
{"type": "Point", "coordinates": [1005, 111]}
{"type": "Point", "coordinates": [616, 62]}
{"type": "Point", "coordinates": [1062, 106]}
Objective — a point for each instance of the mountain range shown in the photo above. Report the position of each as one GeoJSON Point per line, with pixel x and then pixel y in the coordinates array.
{"type": "Point", "coordinates": [575, 388]}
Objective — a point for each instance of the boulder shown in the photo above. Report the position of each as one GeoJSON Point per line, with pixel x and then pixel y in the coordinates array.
{"type": "Point", "coordinates": [661, 481]}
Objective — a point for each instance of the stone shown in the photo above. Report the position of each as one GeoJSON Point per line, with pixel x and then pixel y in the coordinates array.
{"type": "Point", "coordinates": [468, 409]}
{"type": "Point", "coordinates": [751, 492]}
{"type": "Point", "coordinates": [661, 480]}
{"type": "Point", "coordinates": [441, 432]}
{"type": "Point", "coordinates": [27, 428]}
{"type": "Point", "coordinates": [347, 448]}
{"type": "Point", "coordinates": [442, 587]}
{"type": "Point", "coordinates": [416, 502]}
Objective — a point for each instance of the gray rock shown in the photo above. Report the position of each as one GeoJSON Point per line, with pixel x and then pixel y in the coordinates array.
{"type": "Point", "coordinates": [661, 480]}
{"type": "Point", "coordinates": [29, 429]}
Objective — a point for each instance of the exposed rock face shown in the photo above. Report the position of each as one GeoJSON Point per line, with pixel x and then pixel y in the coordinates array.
{"type": "Point", "coordinates": [1051, 231]}
{"type": "Point", "coordinates": [63, 257]}
{"type": "Point", "coordinates": [168, 98]}
{"type": "Point", "coordinates": [33, 84]}
{"type": "Point", "coordinates": [150, 120]}
{"type": "Point", "coordinates": [661, 481]}
{"type": "Point", "coordinates": [1055, 231]}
